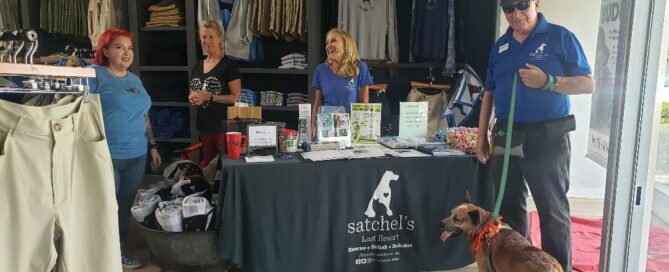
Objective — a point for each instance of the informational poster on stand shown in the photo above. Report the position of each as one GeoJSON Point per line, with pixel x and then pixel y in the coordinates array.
{"type": "Point", "coordinates": [606, 61]}
{"type": "Point", "coordinates": [365, 123]}
{"type": "Point", "coordinates": [413, 119]}
{"type": "Point", "coordinates": [262, 139]}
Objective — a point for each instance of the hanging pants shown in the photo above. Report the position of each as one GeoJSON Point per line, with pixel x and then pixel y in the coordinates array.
{"type": "Point", "coordinates": [56, 177]}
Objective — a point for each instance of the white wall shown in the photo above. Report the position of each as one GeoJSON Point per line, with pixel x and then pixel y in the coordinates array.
{"type": "Point", "coordinates": [581, 17]}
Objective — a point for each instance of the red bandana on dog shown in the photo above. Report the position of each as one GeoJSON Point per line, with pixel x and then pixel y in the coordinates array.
{"type": "Point", "coordinates": [491, 229]}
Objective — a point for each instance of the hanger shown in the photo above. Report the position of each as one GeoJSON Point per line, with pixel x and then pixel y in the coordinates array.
{"type": "Point", "coordinates": [430, 78]}
{"type": "Point", "coordinates": [33, 87]}
{"type": "Point", "coordinates": [378, 87]}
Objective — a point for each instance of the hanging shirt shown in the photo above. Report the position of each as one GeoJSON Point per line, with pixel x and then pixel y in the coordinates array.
{"type": "Point", "coordinates": [238, 34]}
{"type": "Point", "coordinates": [339, 91]}
{"type": "Point", "coordinates": [430, 29]}
{"type": "Point", "coordinates": [125, 104]}
{"type": "Point", "coordinates": [101, 16]}
{"type": "Point", "coordinates": [369, 22]}
{"type": "Point", "coordinates": [208, 9]}
{"type": "Point", "coordinates": [550, 47]}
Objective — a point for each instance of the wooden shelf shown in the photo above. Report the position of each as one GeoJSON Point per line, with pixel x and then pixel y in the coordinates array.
{"type": "Point", "coordinates": [164, 68]}
{"type": "Point", "coordinates": [273, 71]}
{"type": "Point", "coordinates": [170, 104]}
{"type": "Point", "coordinates": [164, 28]}
{"type": "Point", "coordinates": [403, 65]}
{"type": "Point", "coordinates": [174, 140]}
{"type": "Point", "coordinates": [49, 71]}
{"type": "Point", "coordinates": [277, 108]}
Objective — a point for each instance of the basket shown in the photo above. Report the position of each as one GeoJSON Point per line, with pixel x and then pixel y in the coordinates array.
{"type": "Point", "coordinates": [196, 248]}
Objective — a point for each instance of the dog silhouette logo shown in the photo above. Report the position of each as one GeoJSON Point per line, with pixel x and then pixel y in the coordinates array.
{"type": "Point", "coordinates": [382, 194]}
{"type": "Point", "coordinates": [540, 49]}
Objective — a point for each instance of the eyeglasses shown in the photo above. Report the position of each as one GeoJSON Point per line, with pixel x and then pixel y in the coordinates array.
{"type": "Point", "coordinates": [520, 6]}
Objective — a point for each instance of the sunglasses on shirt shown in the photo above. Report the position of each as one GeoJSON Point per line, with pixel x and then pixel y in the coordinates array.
{"type": "Point", "coordinates": [520, 6]}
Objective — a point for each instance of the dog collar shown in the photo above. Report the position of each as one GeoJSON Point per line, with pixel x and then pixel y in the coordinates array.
{"type": "Point", "coordinates": [488, 232]}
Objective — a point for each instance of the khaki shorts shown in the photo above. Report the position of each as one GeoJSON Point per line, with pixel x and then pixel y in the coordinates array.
{"type": "Point", "coordinates": [56, 179]}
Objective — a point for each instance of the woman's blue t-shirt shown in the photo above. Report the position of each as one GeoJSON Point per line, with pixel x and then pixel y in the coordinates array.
{"type": "Point", "coordinates": [125, 104]}
{"type": "Point", "coordinates": [339, 91]}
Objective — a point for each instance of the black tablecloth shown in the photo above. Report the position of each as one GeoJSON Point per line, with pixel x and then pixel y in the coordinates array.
{"type": "Point", "coordinates": [310, 216]}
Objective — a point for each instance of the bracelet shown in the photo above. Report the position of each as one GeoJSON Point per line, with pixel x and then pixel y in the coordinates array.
{"type": "Point", "coordinates": [549, 83]}
{"type": "Point", "coordinates": [153, 145]}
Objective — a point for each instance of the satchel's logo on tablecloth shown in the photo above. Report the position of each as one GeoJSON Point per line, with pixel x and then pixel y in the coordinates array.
{"type": "Point", "coordinates": [539, 53]}
{"type": "Point", "coordinates": [383, 193]}
{"type": "Point", "coordinates": [380, 237]}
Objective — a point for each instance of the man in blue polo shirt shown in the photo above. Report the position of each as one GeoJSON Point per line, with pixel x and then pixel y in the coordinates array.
{"type": "Point", "coordinates": [550, 65]}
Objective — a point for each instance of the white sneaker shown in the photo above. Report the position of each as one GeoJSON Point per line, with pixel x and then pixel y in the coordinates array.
{"type": "Point", "coordinates": [130, 263]}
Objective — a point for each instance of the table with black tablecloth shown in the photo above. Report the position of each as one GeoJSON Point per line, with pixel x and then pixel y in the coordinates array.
{"type": "Point", "coordinates": [292, 215]}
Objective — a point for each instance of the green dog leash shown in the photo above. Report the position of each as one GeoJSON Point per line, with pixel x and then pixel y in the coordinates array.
{"type": "Point", "coordinates": [505, 165]}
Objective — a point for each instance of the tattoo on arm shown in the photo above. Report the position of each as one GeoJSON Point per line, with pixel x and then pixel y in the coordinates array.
{"type": "Point", "coordinates": [149, 131]}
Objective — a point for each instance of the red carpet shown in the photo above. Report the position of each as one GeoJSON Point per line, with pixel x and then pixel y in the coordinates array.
{"type": "Point", "coordinates": [586, 240]}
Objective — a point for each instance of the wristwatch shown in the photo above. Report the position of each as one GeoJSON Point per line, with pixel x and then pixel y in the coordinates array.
{"type": "Point", "coordinates": [554, 84]}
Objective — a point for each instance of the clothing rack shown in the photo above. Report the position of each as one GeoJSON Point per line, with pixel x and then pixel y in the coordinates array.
{"type": "Point", "coordinates": [416, 84]}
{"type": "Point", "coordinates": [48, 72]}
{"type": "Point", "coordinates": [45, 71]}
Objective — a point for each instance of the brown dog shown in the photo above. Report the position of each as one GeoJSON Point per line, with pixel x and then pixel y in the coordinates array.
{"type": "Point", "coordinates": [510, 251]}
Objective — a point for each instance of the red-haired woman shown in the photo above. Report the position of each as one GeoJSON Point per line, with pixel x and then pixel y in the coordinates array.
{"type": "Point", "coordinates": [125, 106]}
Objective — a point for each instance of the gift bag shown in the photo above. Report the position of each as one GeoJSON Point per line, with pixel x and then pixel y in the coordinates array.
{"type": "Point", "coordinates": [240, 117]}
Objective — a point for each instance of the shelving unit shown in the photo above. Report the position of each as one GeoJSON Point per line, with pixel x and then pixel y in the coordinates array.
{"type": "Point", "coordinates": [275, 71]}
{"type": "Point", "coordinates": [164, 56]}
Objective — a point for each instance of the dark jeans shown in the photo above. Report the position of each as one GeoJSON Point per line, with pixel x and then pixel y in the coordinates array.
{"type": "Point", "coordinates": [545, 170]}
{"type": "Point", "coordinates": [128, 174]}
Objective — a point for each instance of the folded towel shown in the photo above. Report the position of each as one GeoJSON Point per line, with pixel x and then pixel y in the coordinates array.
{"type": "Point", "coordinates": [169, 217]}
{"type": "Point", "coordinates": [197, 212]}
{"type": "Point", "coordinates": [147, 204]}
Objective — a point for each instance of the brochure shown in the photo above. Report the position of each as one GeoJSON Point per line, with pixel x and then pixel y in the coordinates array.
{"type": "Point", "coordinates": [365, 122]}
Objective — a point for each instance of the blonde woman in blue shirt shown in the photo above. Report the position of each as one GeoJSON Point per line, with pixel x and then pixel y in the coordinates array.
{"type": "Point", "coordinates": [343, 78]}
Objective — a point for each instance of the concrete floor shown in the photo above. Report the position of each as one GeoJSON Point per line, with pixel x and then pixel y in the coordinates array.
{"type": "Point", "coordinates": [137, 248]}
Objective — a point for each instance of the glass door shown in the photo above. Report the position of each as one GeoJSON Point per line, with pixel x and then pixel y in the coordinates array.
{"type": "Point", "coordinates": [635, 233]}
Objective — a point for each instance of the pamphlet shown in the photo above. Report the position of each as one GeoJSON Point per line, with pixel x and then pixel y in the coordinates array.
{"type": "Point", "coordinates": [252, 159]}
{"type": "Point", "coordinates": [441, 149]}
{"type": "Point", "coordinates": [405, 153]}
{"type": "Point", "coordinates": [413, 119]}
{"type": "Point", "coordinates": [400, 142]}
{"type": "Point", "coordinates": [334, 127]}
{"type": "Point", "coordinates": [304, 123]}
{"type": "Point", "coordinates": [365, 122]}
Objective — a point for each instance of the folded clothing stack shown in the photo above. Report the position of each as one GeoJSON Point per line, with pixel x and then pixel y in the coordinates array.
{"type": "Point", "coordinates": [294, 61]}
{"type": "Point", "coordinates": [249, 97]}
{"type": "Point", "coordinates": [169, 122]}
{"type": "Point", "coordinates": [271, 98]}
{"type": "Point", "coordinates": [165, 13]}
{"type": "Point", "coordinates": [295, 99]}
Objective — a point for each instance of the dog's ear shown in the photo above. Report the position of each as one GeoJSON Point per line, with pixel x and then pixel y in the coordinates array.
{"type": "Point", "coordinates": [475, 216]}
{"type": "Point", "coordinates": [468, 198]}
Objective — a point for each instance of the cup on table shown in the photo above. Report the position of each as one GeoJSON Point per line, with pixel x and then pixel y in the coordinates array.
{"type": "Point", "coordinates": [235, 143]}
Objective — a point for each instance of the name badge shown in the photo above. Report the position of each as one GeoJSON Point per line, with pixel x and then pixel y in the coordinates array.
{"type": "Point", "coordinates": [503, 48]}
